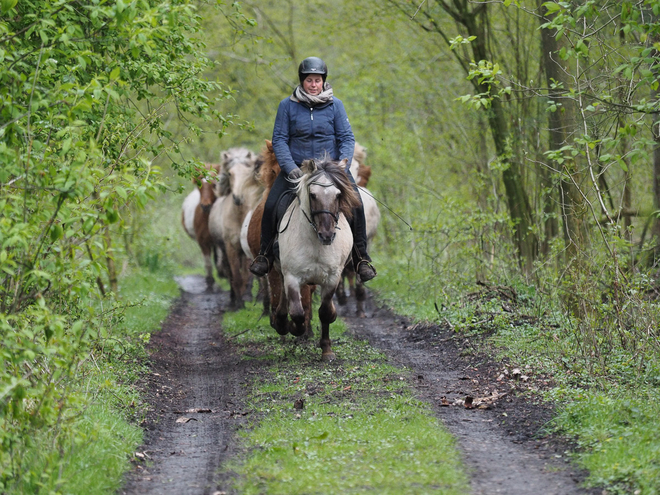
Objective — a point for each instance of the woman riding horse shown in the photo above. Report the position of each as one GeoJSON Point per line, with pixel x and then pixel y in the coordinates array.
{"type": "Point", "coordinates": [310, 124]}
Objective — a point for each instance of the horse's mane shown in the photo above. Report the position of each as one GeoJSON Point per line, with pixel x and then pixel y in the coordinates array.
{"type": "Point", "coordinates": [270, 167]}
{"type": "Point", "coordinates": [360, 153]}
{"type": "Point", "coordinates": [364, 171]}
{"type": "Point", "coordinates": [348, 197]}
{"type": "Point", "coordinates": [364, 174]}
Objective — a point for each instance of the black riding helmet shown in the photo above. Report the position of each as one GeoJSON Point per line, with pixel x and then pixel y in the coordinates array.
{"type": "Point", "coordinates": [312, 65]}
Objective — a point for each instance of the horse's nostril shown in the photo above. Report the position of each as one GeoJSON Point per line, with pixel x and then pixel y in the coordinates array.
{"type": "Point", "coordinates": [326, 239]}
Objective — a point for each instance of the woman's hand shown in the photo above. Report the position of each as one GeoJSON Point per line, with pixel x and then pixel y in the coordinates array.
{"type": "Point", "coordinates": [294, 174]}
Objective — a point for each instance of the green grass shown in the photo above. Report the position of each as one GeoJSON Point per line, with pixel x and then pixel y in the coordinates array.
{"type": "Point", "coordinates": [620, 438]}
{"type": "Point", "coordinates": [361, 430]}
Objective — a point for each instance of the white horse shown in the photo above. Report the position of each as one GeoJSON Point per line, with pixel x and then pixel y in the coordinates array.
{"type": "Point", "coordinates": [238, 180]}
{"type": "Point", "coordinates": [315, 241]}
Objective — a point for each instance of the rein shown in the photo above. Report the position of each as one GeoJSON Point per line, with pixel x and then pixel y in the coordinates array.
{"type": "Point", "coordinates": [313, 213]}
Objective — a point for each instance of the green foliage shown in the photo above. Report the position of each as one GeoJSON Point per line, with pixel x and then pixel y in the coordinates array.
{"type": "Point", "coordinates": [359, 419]}
{"type": "Point", "coordinates": [86, 92]}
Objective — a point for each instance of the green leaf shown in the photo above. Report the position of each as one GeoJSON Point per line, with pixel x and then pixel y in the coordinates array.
{"type": "Point", "coordinates": [111, 215]}
{"type": "Point", "coordinates": [552, 7]}
{"type": "Point", "coordinates": [56, 232]}
{"type": "Point", "coordinates": [7, 5]}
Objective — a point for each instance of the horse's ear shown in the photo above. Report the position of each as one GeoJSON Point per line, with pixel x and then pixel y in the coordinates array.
{"type": "Point", "coordinates": [308, 166]}
{"type": "Point", "coordinates": [224, 155]}
{"type": "Point", "coordinates": [269, 145]}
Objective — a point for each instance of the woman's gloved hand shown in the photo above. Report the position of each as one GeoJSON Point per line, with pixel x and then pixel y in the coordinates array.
{"type": "Point", "coordinates": [295, 174]}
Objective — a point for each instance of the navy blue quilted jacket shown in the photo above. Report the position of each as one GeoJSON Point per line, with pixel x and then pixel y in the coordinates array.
{"type": "Point", "coordinates": [302, 133]}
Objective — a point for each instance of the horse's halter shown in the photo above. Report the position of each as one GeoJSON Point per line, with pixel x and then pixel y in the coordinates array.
{"type": "Point", "coordinates": [313, 213]}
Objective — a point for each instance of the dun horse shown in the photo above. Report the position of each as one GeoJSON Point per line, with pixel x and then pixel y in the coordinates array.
{"type": "Point", "coordinates": [243, 191]}
{"type": "Point", "coordinates": [315, 241]}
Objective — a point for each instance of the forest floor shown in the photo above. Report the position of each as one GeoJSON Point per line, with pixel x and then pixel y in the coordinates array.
{"type": "Point", "coordinates": [198, 386]}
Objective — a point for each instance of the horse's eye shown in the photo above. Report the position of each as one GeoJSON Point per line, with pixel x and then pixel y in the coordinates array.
{"type": "Point", "coordinates": [313, 196]}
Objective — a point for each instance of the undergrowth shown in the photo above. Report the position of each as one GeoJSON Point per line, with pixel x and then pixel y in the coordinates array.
{"type": "Point", "coordinates": [606, 388]}
{"type": "Point", "coordinates": [90, 447]}
{"type": "Point", "coordinates": [351, 426]}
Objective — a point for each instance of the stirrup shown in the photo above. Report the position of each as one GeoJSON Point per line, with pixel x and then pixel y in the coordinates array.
{"type": "Point", "coordinates": [258, 260]}
{"type": "Point", "coordinates": [369, 265]}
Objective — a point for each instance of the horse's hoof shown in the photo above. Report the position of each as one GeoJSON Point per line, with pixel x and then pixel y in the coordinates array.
{"type": "Point", "coordinates": [297, 332]}
{"type": "Point", "coordinates": [282, 330]}
{"type": "Point", "coordinates": [342, 300]}
{"type": "Point", "coordinates": [328, 357]}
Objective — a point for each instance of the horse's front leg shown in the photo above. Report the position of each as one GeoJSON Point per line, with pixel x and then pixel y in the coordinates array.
{"type": "Point", "coordinates": [278, 304]}
{"type": "Point", "coordinates": [306, 298]}
{"type": "Point", "coordinates": [296, 310]}
{"type": "Point", "coordinates": [327, 315]}
{"type": "Point", "coordinates": [236, 278]}
{"type": "Point", "coordinates": [360, 296]}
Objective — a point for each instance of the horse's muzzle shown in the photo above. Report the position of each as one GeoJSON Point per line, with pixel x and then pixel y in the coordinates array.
{"type": "Point", "coordinates": [206, 208]}
{"type": "Point", "coordinates": [326, 239]}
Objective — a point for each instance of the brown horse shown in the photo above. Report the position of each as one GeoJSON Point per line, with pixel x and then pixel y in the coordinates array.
{"type": "Point", "coordinates": [269, 171]}
{"type": "Point", "coordinates": [195, 218]}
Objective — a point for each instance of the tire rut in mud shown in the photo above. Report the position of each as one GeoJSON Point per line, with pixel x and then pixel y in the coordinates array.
{"type": "Point", "coordinates": [503, 445]}
{"type": "Point", "coordinates": [198, 379]}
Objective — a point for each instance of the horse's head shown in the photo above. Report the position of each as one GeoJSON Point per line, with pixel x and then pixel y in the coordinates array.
{"type": "Point", "coordinates": [328, 192]}
{"type": "Point", "coordinates": [206, 183]}
{"type": "Point", "coordinates": [238, 167]}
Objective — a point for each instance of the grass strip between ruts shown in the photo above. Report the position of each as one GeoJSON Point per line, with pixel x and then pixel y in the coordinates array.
{"type": "Point", "coordinates": [360, 429]}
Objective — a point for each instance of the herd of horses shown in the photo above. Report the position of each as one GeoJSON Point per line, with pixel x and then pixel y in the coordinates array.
{"type": "Point", "coordinates": [223, 215]}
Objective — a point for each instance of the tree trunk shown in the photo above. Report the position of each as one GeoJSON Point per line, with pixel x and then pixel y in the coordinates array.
{"type": "Point", "coordinates": [560, 124]}
{"type": "Point", "coordinates": [517, 200]}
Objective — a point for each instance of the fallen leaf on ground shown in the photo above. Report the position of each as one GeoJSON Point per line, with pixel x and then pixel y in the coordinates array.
{"type": "Point", "coordinates": [468, 402]}
{"type": "Point", "coordinates": [299, 404]}
{"type": "Point", "coordinates": [183, 419]}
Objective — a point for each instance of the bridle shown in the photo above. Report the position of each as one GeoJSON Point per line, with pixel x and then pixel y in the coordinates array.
{"type": "Point", "coordinates": [313, 213]}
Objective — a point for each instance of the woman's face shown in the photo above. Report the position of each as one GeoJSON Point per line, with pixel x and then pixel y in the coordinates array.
{"type": "Point", "coordinates": [313, 84]}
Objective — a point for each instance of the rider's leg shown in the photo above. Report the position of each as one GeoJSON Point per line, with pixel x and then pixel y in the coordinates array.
{"type": "Point", "coordinates": [264, 260]}
{"type": "Point", "coordinates": [361, 258]}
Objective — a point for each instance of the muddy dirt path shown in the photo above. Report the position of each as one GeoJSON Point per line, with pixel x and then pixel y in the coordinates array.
{"type": "Point", "coordinates": [501, 436]}
{"type": "Point", "coordinates": [199, 380]}
{"type": "Point", "coordinates": [196, 391]}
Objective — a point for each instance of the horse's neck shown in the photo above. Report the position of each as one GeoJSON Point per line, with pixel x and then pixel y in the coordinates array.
{"type": "Point", "coordinates": [252, 194]}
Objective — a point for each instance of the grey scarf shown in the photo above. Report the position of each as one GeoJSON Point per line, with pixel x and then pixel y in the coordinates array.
{"type": "Point", "coordinates": [299, 95]}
